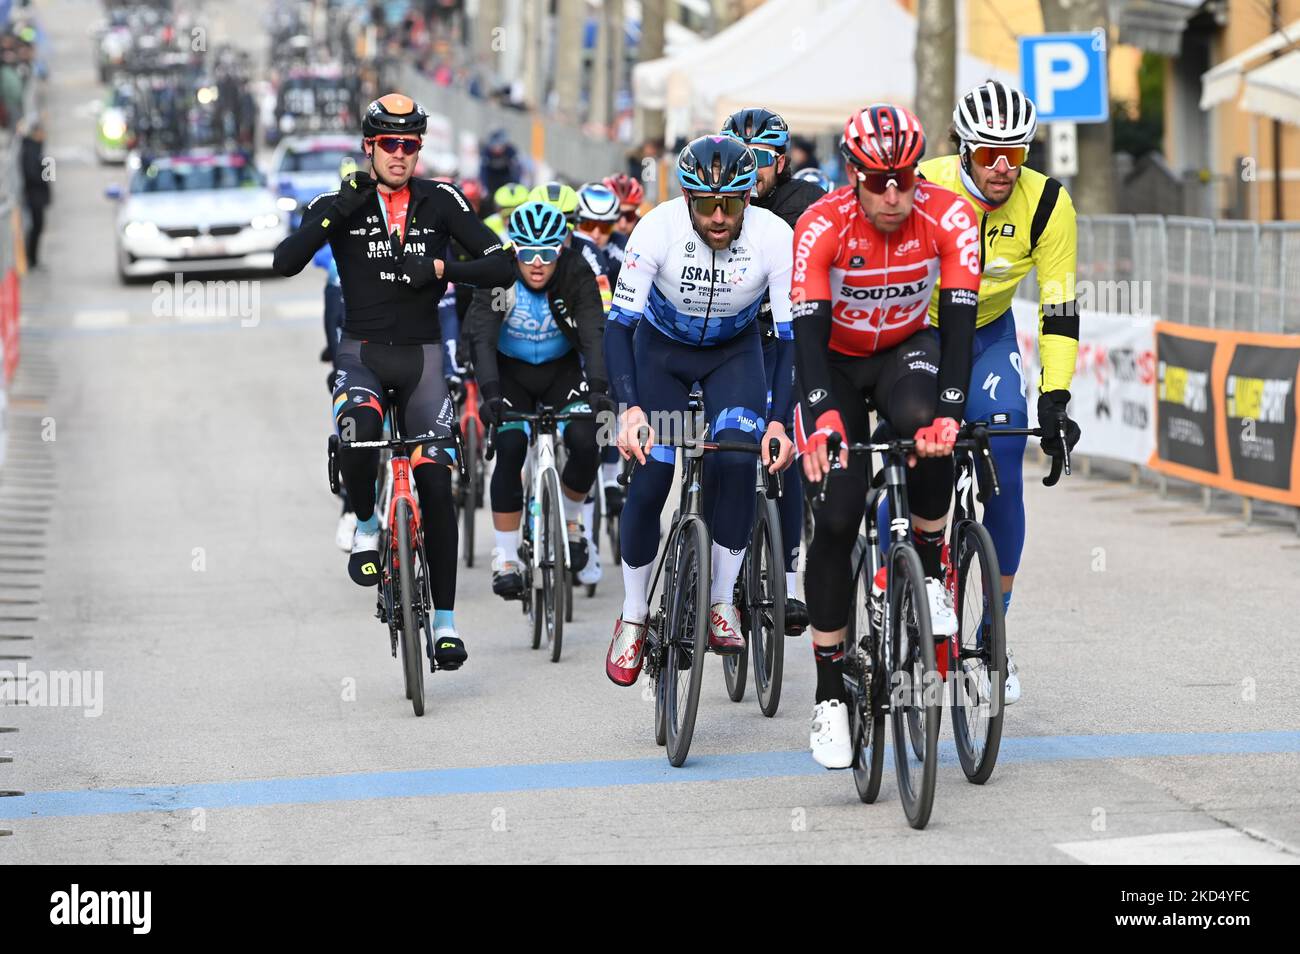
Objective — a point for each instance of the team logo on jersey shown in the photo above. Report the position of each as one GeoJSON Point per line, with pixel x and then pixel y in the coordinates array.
{"type": "Point", "coordinates": [857, 261]}
{"type": "Point", "coordinates": [911, 245]}
{"type": "Point", "coordinates": [816, 396]}
{"type": "Point", "coordinates": [690, 248]}
{"type": "Point", "coordinates": [1008, 230]}
{"type": "Point", "coordinates": [954, 395]}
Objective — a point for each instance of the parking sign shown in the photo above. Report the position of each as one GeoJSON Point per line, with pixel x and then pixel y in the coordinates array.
{"type": "Point", "coordinates": [1065, 75]}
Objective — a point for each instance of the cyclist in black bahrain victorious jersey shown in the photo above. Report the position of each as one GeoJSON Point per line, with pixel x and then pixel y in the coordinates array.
{"type": "Point", "coordinates": [390, 233]}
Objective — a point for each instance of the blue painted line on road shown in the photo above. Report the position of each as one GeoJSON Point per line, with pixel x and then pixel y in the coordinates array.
{"type": "Point", "coordinates": [605, 774]}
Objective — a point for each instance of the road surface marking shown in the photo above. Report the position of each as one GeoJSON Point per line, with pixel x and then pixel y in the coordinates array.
{"type": "Point", "coordinates": [1212, 846]}
{"type": "Point", "coordinates": [100, 318]}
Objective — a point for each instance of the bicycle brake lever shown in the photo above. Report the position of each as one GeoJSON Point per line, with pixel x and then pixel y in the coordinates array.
{"type": "Point", "coordinates": [489, 445]}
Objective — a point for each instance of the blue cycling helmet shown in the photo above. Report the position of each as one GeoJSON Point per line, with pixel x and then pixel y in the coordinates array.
{"type": "Point", "coordinates": [817, 177]}
{"type": "Point", "coordinates": [756, 126]}
{"type": "Point", "coordinates": [717, 164]}
{"type": "Point", "coordinates": [537, 223]}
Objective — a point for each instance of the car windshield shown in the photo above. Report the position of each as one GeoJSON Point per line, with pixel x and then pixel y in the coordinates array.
{"type": "Point", "coordinates": [193, 177]}
{"type": "Point", "coordinates": [317, 160]}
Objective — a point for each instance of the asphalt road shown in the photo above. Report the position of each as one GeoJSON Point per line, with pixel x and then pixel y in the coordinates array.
{"type": "Point", "coordinates": [175, 541]}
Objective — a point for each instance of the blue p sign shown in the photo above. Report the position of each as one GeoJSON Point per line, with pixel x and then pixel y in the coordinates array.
{"type": "Point", "coordinates": [1065, 75]}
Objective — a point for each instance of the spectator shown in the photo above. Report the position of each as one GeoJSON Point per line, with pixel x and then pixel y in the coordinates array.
{"type": "Point", "coordinates": [803, 153]}
{"type": "Point", "coordinates": [36, 187]}
{"type": "Point", "coordinates": [500, 162]}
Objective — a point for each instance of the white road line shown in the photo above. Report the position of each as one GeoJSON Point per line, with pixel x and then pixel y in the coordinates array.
{"type": "Point", "coordinates": [100, 318]}
{"type": "Point", "coordinates": [1213, 846]}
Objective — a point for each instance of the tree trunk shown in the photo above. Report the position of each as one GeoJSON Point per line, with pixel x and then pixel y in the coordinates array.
{"type": "Point", "coordinates": [936, 70]}
{"type": "Point", "coordinates": [652, 48]}
{"type": "Point", "coordinates": [569, 17]}
{"type": "Point", "coordinates": [1093, 189]}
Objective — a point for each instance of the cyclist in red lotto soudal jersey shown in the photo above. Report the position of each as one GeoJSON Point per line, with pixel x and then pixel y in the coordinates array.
{"type": "Point", "coordinates": [867, 258]}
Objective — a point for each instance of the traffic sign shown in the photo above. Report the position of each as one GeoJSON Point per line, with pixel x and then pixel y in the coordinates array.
{"type": "Point", "coordinates": [1065, 75]}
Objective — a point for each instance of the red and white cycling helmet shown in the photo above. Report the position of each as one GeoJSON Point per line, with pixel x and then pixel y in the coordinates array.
{"type": "Point", "coordinates": [882, 137]}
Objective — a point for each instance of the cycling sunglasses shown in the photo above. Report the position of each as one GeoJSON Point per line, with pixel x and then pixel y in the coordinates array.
{"type": "Point", "coordinates": [765, 157]}
{"type": "Point", "coordinates": [988, 156]}
{"type": "Point", "coordinates": [532, 254]}
{"type": "Point", "coordinates": [704, 205]}
{"type": "Point", "coordinates": [396, 144]}
{"type": "Point", "coordinates": [629, 215]}
{"type": "Point", "coordinates": [878, 183]}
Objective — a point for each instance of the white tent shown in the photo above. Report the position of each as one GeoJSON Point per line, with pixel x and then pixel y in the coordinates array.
{"type": "Point", "coordinates": [1273, 90]}
{"type": "Point", "coordinates": [1223, 82]}
{"type": "Point", "coordinates": [667, 83]}
{"type": "Point", "coordinates": [857, 52]}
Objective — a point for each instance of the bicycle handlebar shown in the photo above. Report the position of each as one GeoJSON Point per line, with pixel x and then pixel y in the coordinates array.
{"type": "Point", "coordinates": [773, 488]}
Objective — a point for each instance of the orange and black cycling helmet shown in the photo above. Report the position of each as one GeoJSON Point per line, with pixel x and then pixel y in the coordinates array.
{"type": "Point", "coordinates": [883, 137]}
{"type": "Point", "coordinates": [394, 114]}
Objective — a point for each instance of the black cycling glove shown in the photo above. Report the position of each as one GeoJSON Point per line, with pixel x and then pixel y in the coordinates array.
{"type": "Point", "coordinates": [494, 409]}
{"type": "Point", "coordinates": [1053, 417]}
{"type": "Point", "coordinates": [354, 192]}
{"type": "Point", "coordinates": [419, 269]}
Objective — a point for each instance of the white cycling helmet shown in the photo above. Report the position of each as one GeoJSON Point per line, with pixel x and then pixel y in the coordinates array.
{"type": "Point", "coordinates": [597, 203]}
{"type": "Point", "coordinates": [997, 114]}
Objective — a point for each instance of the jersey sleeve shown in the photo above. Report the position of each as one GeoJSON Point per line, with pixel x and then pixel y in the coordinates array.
{"type": "Point", "coordinates": [491, 265]}
{"type": "Point", "coordinates": [957, 241]}
{"type": "Point", "coordinates": [1055, 260]}
{"type": "Point", "coordinates": [641, 263]}
{"type": "Point", "coordinates": [816, 240]}
{"type": "Point", "coordinates": [778, 251]}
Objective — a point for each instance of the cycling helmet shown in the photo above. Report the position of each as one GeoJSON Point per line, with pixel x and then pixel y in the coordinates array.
{"type": "Point", "coordinates": [758, 127]}
{"type": "Point", "coordinates": [997, 114]}
{"type": "Point", "coordinates": [394, 114]}
{"type": "Point", "coordinates": [597, 203]}
{"type": "Point", "coordinates": [883, 137]}
{"type": "Point", "coordinates": [538, 223]}
{"type": "Point", "coordinates": [510, 196]}
{"type": "Point", "coordinates": [717, 164]}
{"type": "Point", "coordinates": [816, 177]}
{"type": "Point", "coordinates": [473, 192]}
{"type": "Point", "coordinates": [558, 195]}
{"type": "Point", "coordinates": [628, 188]}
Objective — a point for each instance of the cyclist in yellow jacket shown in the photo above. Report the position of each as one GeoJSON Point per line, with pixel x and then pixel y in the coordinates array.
{"type": "Point", "coordinates": [1027, 221]}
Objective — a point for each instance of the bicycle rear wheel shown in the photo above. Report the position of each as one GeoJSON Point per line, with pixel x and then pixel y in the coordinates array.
{"type": "Point", "coordinates": [555, 578]}
{"type": "Point", "coordinates": [918, 694]}
{"type": "Point", "coordinates": [735, 668]}
{"type": "Point", "coordinates": [407, 595]}
{"type": "Point", "coordinates": [469, 492]}
{"type": "Point", "coordinates": [866, 716]}
{"type": "Point", "coordinates": [687, 637]}
{"type": "Point", "coordinates": [765, 595]}
{"type": "Point", "coordinates": [977, 690]}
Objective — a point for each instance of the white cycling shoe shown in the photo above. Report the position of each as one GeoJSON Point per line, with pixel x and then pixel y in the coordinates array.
{"type": "Point", "coordinates": [591, 573]}
{"type": "Point", "coordinates": [943, 618]}
{"type": "Point", "coordinates": [1012, 693]}
{"type": "Point", "coordinates": [831, 745]}
{"type": "Point", "coordinates": [343, 535]}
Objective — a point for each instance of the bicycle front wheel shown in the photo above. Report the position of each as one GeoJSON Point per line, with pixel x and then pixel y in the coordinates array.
{"type": "Point", "coordinates": [407, 597]}
{"type": "Point", "coordinates": [555, 578]}
{"type": "Point", "coordinates": [687, 636]}
{"type": "Point", "coordinates": [977, 690]}
{"type": "Point", "coordinates": [866, 713]}
{"type": "Point", "coordinates": [917, 692]}
{"type": "Point", "coordinates": [765, 596]}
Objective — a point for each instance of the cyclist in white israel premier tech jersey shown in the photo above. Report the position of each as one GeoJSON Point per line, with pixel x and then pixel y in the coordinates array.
{"type": "Point", "coordinates": [696, 270]}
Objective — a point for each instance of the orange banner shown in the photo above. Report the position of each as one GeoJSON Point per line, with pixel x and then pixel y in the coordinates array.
{"type": "Point", "coordinates": [1227, 405]}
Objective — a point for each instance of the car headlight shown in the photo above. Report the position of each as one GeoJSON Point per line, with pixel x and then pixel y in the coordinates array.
{"type": "Point", "coordinates": [140, 230]}
{"type": "Point", "coordinates": [113, 128]}
{"type": "Point", "coordinates": [286, 203]}
{"type": "Point", "coordinates": [268, 221]}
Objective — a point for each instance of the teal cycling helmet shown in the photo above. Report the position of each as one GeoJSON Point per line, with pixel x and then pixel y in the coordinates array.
{"type": "Point", "coordinates": [536, 224]}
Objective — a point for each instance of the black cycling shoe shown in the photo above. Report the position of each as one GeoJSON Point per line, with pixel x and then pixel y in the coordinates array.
{"type": "Point", "coordinates": [614, 498]}
{"type": "Point", "coordinates": [508, 584]}
{"type": "Point", "coordinates": [449, 651]}
{"type": "Point", "coordinates": [796, 616]}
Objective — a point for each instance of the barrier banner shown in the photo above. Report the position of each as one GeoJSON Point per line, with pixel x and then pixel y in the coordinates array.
{"type": "Point", "coordinates": [1227, 410]}
{"type": "Point", "coordinates": [1113, 392]}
